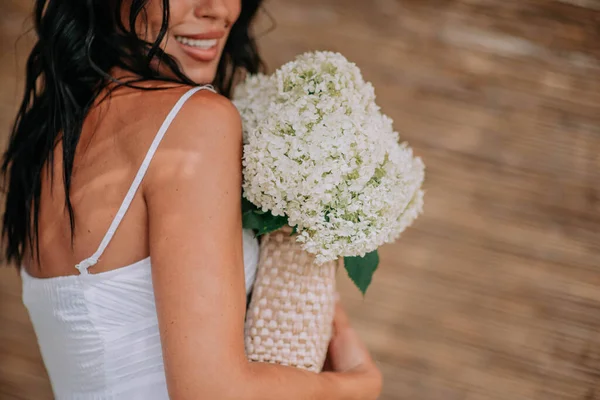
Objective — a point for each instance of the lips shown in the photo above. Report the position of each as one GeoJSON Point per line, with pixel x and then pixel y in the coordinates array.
{"type": "Point", "coordinates": [203, 47]}
{"type": "Point", "coordinates": [198, 43]}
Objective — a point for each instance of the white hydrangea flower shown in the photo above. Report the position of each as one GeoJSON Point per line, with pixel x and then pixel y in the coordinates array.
{"type": "Point", "coordinates": [252, 99]}
{"type": "Point", "coordinates": [319, 151]}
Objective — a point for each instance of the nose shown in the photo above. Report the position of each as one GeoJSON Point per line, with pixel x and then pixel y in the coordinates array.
{"type": "Point", "coordinates": [213, 9]}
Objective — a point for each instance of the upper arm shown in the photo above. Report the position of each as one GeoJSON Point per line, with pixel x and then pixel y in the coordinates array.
{"type": "Point", "coordinates": [193, 193]}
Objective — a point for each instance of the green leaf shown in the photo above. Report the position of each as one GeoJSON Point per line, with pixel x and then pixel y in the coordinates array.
{"type": "Point", "coordinates": [294, 230]}
{"type": "Point", "coordinates": [271, 224]}
{"type": "Point", "coordinates": [262, 222]}
{"type": "Point", "coordinates": [361, 269]}
{"type": "Point", "coordinates": [251, 220]}
{"type": "Point", "coordinates": [247, 205]}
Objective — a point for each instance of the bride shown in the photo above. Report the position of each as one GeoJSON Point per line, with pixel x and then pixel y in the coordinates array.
{"type": "Point", "coordinates": [123, 208]}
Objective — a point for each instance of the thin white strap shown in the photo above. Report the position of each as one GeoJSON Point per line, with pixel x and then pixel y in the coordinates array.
{"type": "Point", "coordinates": [88, 262]}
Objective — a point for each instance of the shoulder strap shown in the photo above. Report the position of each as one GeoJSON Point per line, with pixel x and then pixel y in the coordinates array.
{"type": "Point", "coordinates": [88, 262]}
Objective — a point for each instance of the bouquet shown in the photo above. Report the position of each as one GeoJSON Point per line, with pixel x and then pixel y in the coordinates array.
{"type": "Point", "coordinates": [325, 179]}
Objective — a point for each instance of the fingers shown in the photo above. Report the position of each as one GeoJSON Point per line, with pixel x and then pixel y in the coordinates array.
{"type": "Point", "coordinates": [340, 319]}
{"type": "Point", "coordinates": [327, 366]}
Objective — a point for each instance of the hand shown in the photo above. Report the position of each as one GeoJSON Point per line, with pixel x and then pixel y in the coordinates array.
{"type": "Point", "coordinates": [348, 355]}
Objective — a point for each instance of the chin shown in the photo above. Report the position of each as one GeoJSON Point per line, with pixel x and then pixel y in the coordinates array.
{"type": "Point", "coordinates": [201, 76]}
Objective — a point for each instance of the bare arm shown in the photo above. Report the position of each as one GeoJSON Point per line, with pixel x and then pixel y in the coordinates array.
{"type": "Point", "coordinates": [193, 194]}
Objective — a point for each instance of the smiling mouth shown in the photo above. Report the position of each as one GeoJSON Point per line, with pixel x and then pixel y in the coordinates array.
{"type": "Point", "coordinates": [203, 44]}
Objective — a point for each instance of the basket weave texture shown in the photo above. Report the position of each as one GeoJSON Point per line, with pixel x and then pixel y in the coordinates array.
{"type": "Point", "coordinates": [289, 319]}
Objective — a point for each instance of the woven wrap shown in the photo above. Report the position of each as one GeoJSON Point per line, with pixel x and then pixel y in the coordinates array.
{"type": "Point", "coordinates": [289, 320]}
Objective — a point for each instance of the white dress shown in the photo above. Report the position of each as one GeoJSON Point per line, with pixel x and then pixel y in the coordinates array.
{"type": "Point", "coordinates": [98, 333]}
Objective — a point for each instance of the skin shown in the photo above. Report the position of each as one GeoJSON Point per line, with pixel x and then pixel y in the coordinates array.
{"type": "Point", "coordinates": [190, 18]}
{"type": "Point", "coordinates": [187, 218]}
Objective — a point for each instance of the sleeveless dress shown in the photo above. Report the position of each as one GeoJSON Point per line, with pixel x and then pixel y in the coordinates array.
{"type": "Point", "coordinates": [98, 333]}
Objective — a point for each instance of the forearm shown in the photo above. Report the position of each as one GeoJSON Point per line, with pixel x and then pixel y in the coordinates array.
{"type": "Point", "coordinates": [270, 381]}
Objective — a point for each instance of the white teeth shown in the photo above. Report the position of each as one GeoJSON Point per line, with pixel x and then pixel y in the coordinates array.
{"type": "Point", "coordinates": [199, 43]}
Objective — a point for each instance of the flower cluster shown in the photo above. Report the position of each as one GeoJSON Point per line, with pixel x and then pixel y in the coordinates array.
{"type": "Point", "coordinates": [319, 151]}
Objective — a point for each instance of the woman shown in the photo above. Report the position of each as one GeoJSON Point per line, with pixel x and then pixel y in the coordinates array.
{"type": "Point", "coordinates": [102, 80]}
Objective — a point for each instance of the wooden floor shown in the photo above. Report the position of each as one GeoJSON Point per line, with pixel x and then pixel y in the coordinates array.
{"type": "Point", "coordinates": [495, 292]}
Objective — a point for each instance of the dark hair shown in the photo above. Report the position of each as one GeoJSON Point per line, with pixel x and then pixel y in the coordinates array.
{"type": "Point", "coordinates": [79, 42]}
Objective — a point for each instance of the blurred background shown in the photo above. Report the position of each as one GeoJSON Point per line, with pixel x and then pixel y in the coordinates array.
{"type": "Point", "coordinates": [495, 291]}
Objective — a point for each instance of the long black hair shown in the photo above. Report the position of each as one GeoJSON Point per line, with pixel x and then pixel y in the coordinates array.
{"type": "Point", "coordinates": [79, 43]}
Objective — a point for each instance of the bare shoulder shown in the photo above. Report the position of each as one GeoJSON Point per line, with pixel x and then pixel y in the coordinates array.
{"type": "Point", "coordinates": [208, 113]}
{"type": "Point", "coordinates": [205, 138]}
{"type": "Point", "coordinates": [207, 122]}
{"type": "Point", "coordinates": [138, 114]}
